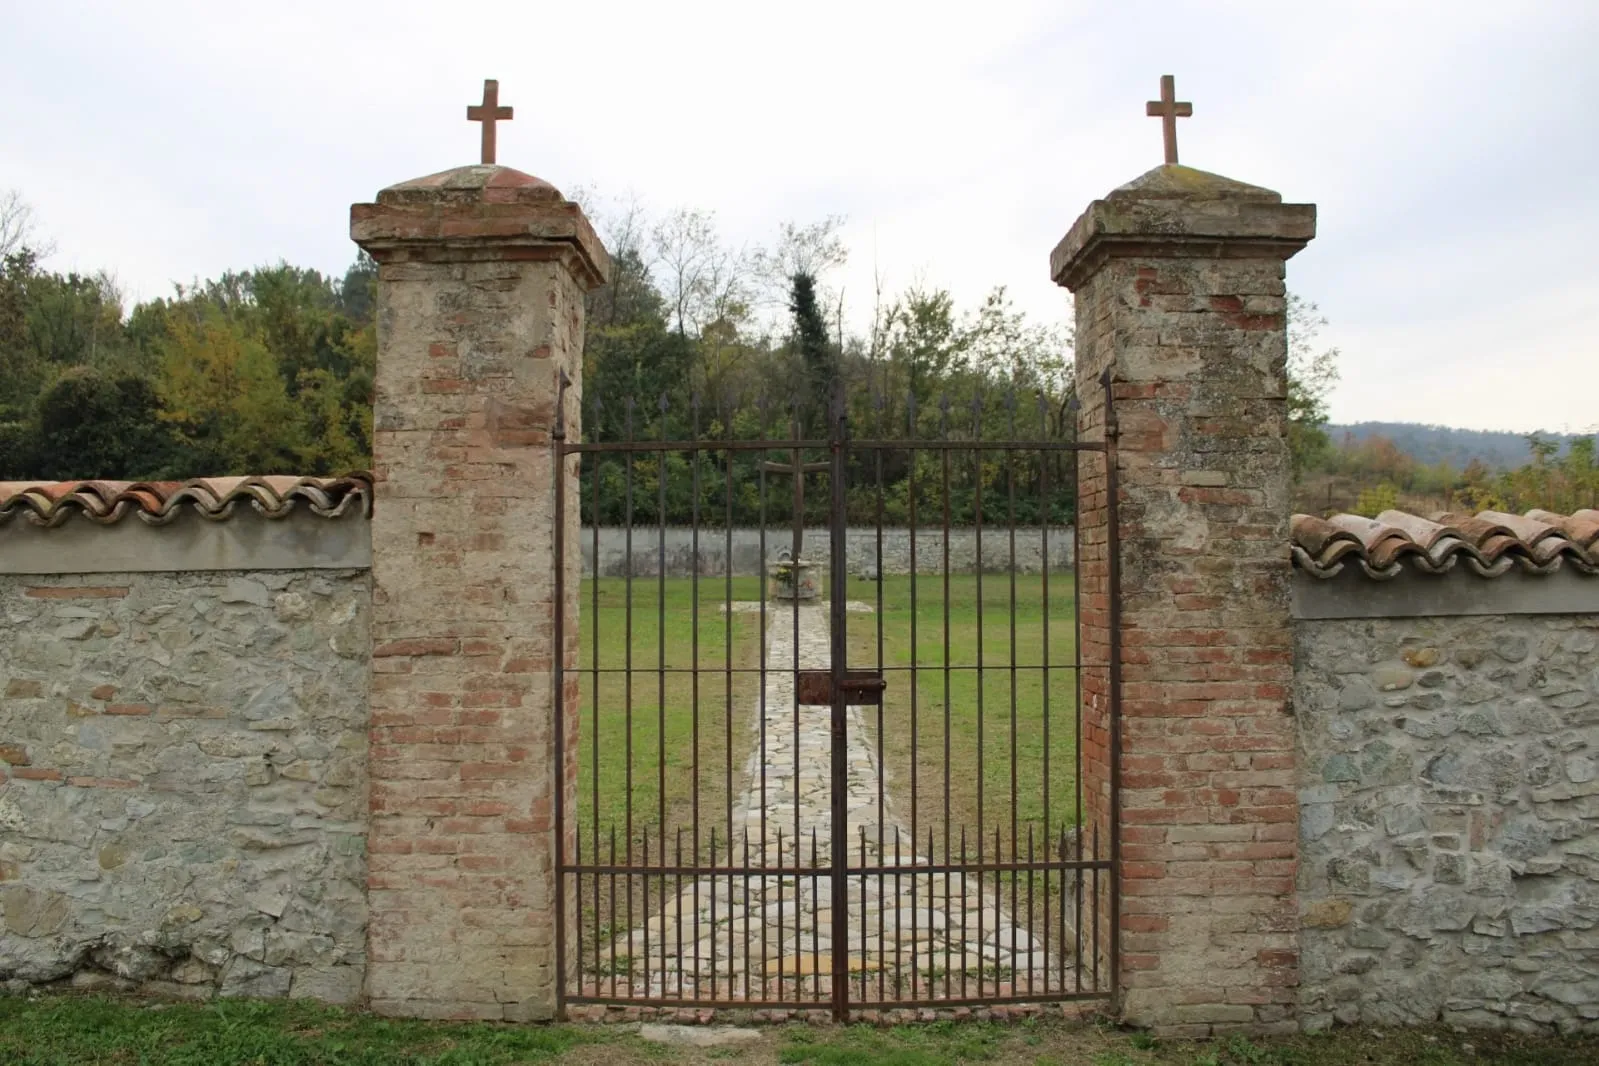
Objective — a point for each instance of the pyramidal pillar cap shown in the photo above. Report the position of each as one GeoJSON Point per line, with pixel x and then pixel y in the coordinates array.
{"type": "Point", "coordinates": [1178, 211]}
{"type": "Point", "coordinates": [475, 213]}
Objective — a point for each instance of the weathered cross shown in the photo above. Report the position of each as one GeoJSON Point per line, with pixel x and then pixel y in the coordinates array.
{"type": "Point", "coordinates": [1169, 110]}
{"type": "Point", "coordinates": [488, 112]}
{"type": "Point", "coordinates": [799, 470]}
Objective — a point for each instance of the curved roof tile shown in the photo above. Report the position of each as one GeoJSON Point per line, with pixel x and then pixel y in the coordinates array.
{"type": "Point", "coordinates": [1489, 544]}
{"type": "Point", "coordinates": [159, 502]}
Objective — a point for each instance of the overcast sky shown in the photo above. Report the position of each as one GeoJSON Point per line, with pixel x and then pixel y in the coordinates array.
{"type": "Point", "coordinates": [1451, 147]}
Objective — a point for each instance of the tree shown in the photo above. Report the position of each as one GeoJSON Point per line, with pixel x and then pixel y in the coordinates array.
{"type": "Point", "coordinates": [1311, 377]}
{"type": "Point", "coordinates": [818, 367]}
{"type": "Point", "coordinates": [18, 227]}
{"type": "Point", "coordinates": [225, 399]}
{"type": "Point", "coordinates": [96, 424]}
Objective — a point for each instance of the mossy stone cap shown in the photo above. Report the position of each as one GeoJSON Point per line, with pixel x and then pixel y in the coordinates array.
{"type": "Point", "coordinates": [1175, 210]}
{"type": "Point", "coordinates": [478, 212]}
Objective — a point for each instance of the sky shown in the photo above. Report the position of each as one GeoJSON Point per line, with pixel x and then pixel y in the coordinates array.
{"type": "Point", "coordinates": [1450, 147]}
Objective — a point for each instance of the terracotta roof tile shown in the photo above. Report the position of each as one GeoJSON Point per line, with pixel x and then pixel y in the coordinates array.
{"type": "Point", "coordinates": [1490, 543]}
{"type": "Point", "coordinates": [159, 502]}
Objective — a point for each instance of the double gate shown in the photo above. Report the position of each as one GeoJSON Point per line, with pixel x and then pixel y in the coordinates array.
{"type": "Point", "coordinates": [843, 772]}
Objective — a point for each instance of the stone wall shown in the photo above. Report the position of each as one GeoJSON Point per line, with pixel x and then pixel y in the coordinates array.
{"type": "Point", "coordinates": [1449, 862]}
{"type": "Point", "coordinates": [183, 797]}
{"type": "Point", "coordinates": [861, 550]}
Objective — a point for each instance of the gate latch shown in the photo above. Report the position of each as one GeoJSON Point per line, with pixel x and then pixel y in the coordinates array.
{"type": "Point", "coordinates": [861, 687]}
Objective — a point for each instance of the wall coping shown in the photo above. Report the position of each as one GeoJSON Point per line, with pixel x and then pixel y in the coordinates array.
{"type": "Point", "coordinates": [1412, 594]}
{"type": "Point", "coordinates": [249, 540]}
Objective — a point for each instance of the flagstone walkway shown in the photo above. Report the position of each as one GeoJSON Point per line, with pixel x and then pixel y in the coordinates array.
{"type": "Point", "coordinates": [747, 937]}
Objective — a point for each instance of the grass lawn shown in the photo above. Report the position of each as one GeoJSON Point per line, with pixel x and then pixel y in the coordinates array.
{"type": "Point", "coordinates": [94, 1031]}
{"type": "Point", "coordinates": [980, 738]}
{"type": "Point", "coordinates": [976, 744]}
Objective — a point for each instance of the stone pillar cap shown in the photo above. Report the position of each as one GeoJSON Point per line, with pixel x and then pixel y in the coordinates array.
{"type": "Point", "coordinates": [1175, 210]}
{"type": "Point", "coordinates": [478, 212]}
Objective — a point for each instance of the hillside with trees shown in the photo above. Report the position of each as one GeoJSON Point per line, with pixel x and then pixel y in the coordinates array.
{"type": "Point", "coordinates": [1430, 445]}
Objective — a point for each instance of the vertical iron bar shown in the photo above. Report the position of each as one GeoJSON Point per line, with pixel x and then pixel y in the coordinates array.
{"type": "Point", "coordinates": [915, 663]}
{"type": "Point", "coordinates": [760, 572]}
{"type": "Point", "coordinates": [694, 635]}
{"type": "Point", "coordinates": [594, 691]}
{"type": "Point", "coordinates": [816, 927]}
{"type": "Point", "coordinates": [965, 934]}
{"type": "Point", "coordinates": [780, 943]}
{"type": "Point", "coordinates": [982, 678]}
{"type": "Point", "coordinates": [1044, 460]}
{"type": "Point", "coordinates": [611, 925]}
{"type": "Point", "coordinates": [712, 882]}
{"type": "Point", "coordinates": [943, 425]}
{"type": "Point", "coordinates": [882, 773]}
{"type": "Point", "coordinates": [1015, 755]}
{"type": "Point", "coordinates": [660, 637]}
{"type": "Point", "coordinates": [577, 906]}
{"type": "Point", "coordinates": [838, 532]}
{"type": "Point", "coordinates": [798, 504]}
{"type": "Point", "coordinates": [1077, 722]}
{"type": "Point", "coordinates": [747, 911]}
{"type": "Point", "coordinates": [1032, 955]}
{"type": "Point", "coordinates": [1113, 705]}
{"type": "Point", "coordinates": [643, 874]}
{"type": "Point", "coordinates": [1095, 956]}
{"type": "Point", "coordinates": [627, 651]}
{"type": "Point", "coordinates": [558, 683]}
{"type": "Point", "coordinates": [863, 919]}
{"type": "Point", "coordinates": [727, 636]}
{"type": "Point", "coordinates": [678, 901]}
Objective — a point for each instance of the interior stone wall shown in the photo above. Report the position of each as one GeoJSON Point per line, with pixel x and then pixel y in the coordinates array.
{"type": "Point", "coordinates": [1449, 826]}
{"type": "Point", "coordinates": [183, 786]}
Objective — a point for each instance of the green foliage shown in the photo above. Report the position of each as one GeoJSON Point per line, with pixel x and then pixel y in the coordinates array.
{"type": "Point", "coordinates": [1375, 473]}
{"type": "Point", "coordinates": [266, 371]}
{"type": "Point", "coordinates": [818, 364]}
{"type": "Point", "coordinates": [1311, 377]}
{"type": "Point", "coordinates": [1377, 499]}
{"type": "Point", "coordinates": [97, 424]}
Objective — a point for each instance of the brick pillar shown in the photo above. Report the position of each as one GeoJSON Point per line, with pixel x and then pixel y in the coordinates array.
{"type": "Point", "coordinates": [1178, 278]}
{"type": "Point", "coordinates": [481, 277]}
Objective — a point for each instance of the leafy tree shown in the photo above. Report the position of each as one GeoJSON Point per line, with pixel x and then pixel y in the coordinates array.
{"type": "Point", "coordinates": [98, 424]}
{"type": "Point", "coordinates": [1311, 377]}
{"type": "Point", "coordinates": [225, 399]}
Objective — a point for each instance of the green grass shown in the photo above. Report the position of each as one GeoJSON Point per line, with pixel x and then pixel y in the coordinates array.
{"type": "Point", "coordinates": [658, 712]}
{"type": "Point", "coordinates": [70, 1030]}
{"type": "Point", "coordinates": [994, 740]}
{"type": "Point", "coordinates": [57, 1031]}
{"type": "Point", "coordinates": [993, 731]}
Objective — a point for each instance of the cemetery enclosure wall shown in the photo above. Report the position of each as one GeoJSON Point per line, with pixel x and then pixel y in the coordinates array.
{"type": "Point", "coordinates": [183, 768]}
{"type": "Point", "coordinates": [862, 546]}
{"type": "Point", "coordinates": [1449, 765]}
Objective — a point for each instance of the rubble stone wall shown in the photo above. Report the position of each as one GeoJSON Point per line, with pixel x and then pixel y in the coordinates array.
{"type": "Point", "coordinates": [183, 787]}
{"type": "Point", "coordinates": [1449, 861]}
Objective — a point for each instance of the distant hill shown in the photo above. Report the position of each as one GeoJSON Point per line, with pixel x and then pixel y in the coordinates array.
{"type": "Point", "coordinates": [1434, 444]}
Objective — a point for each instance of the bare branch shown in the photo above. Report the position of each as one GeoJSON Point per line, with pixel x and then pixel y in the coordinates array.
{"type": "Point", "coordinates": [19, 226]}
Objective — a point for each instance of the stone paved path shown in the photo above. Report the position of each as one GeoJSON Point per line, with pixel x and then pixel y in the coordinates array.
{"type": "Point", "coordinates": [749, 936]}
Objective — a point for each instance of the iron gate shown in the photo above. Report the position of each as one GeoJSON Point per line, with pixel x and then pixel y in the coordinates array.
{"type": "Point", "coordinates": [928, 704]}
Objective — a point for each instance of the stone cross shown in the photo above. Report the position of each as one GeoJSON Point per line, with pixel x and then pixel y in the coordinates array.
{"type": "Point", "coordinates": [799, 470]}
{"type": "Point", "coordinates": [1168, 110]}
{"type": "Point", "coordinates": [488, 112]}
